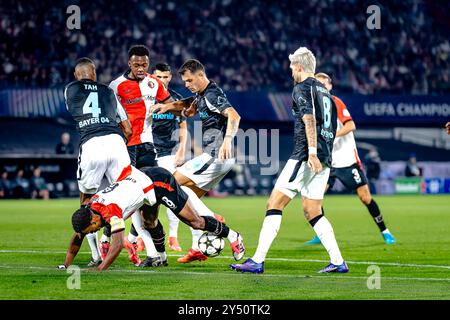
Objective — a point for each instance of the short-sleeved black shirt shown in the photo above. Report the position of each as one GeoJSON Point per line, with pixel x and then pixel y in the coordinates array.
{"type": "Point", "coordinates": [311, 97]}
{"type": "Point", "coordinates": [210, 105]}
{"type": "Point", "coordinates": [163, 127]}
{"type": "Point", "coordinates": [94, 107]}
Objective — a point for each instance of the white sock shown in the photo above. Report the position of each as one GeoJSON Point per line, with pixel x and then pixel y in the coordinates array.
{"type": "Point", "coordinates": [163, 255]}
{"type": "Point", "coordinates": [145, 235]}
{"type": "Point", "coordinates": [93, 244]}
{"type": "Point", "coordinates": [268, 233]}
{"type": "Point", "coordinates": [195, 235]}
{"type": "Point", "coordinates": [132, 238]}
{"type": "Point", "coordinates": [324, 231]}
{"type": "Point", "coordinates": [104, 239]}
{"type": "Point", "coordinates": [232, 236]}
{"type": "Point", "coordinates": [173, 223]}
{"type": "Point", "coordinates": [385, 231]}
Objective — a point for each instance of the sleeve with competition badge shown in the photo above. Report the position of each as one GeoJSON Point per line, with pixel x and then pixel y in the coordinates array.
{"type": "Point", "coordinates": [302, 96]}
{"type": "Point", "coordinates": [216, 100]}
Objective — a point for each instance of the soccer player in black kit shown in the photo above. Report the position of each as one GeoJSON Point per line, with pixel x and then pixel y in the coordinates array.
{"type": "Point", "coordinates": [169, 131]}
{"type": "Point", "coordinates": [308, 168]}
{"type": "Point", "coordinates": [220, 123]}
{"type": "Point", "coordinates": [103, 126]}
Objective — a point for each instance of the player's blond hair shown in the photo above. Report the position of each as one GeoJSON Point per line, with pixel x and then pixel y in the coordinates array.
{"type": "Point", "coordinates": [304, 57]}
{"type": "Point", "coordinates": [323, 75]}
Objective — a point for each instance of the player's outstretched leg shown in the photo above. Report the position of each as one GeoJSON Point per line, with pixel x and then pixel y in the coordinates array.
{"type": "Point", "coordinates": [324, 230]}
{"type": "Point", "coordinates": [194, 253]}
{"type": "Point", "coordinates": [272, 222]}
{"type": "Point", "coordinates": [366, 198]}
{"type": "Point", "coordinates": [192, 215]}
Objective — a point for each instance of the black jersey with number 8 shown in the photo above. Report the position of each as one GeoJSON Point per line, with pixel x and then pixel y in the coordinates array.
{"type": "Point", "coordinates": [311, 97]}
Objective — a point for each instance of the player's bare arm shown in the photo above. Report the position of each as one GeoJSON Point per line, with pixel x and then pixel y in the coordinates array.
{"type": "Point", "coordinates": [125, 126]}
{"type": "Point", "coordinates": [181, 152]}
{"type": "Point", "coordinates": [311, 135]}
{"type": "Point", "coordinates": [232, 128]}
{"type": "Point", "coordinates": [114, 251]}
{"type": "Point", "coordinates": [172, 106]}
{"type": "Point", "coordinates": [74, 247]}
{"type": "Point", "coordinates": [349, 126]}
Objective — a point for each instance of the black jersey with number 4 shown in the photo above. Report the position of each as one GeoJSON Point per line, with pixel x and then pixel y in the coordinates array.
{"type": "Point", "coordinates": [163, 127]}
{"type": "Point", "coordinates": [94, 107]}
{"type": "Point", "coordinates": [210, 105]}
{"type": "Point", "coordinates": [311, 97]}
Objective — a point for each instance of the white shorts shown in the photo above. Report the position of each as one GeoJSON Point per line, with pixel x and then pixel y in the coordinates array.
{"type": "Point", "coordinates": [101, 156]}
{"type": "Point", "coordinates": [167, 162]}
{"type": "Point", "coordinates": [298, 177]}
{"type": "Point", "coordinates": [206, 171]}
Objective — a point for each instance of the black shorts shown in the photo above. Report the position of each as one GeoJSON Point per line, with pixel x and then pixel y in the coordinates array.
{"type": "Point", "coordinates": [167, 190]}
{"type": "Point", "coordinates": [142, 155]}
{"type": "Point", "coordinates": [351, 177]}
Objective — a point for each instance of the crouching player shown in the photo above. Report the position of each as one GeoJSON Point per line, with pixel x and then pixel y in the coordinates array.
{"type": "Point", "coordinates": [133, 190]}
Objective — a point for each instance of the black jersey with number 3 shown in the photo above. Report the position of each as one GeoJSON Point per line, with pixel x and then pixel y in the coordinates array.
{"type": "Point", "coordinates": [94, 108]}
{"type": "Point", "coordinates": [311, 97]}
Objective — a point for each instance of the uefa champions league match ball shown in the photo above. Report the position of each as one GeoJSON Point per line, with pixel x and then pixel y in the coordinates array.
{"type": "Point", "coordinates": [211, 245]}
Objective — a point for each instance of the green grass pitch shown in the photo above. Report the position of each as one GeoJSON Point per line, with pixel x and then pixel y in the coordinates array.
{"type": "Point", "coordinates": [34, 236]}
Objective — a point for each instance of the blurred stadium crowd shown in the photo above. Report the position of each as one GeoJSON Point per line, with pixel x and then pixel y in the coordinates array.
{"type": "Point", "coordinates": [243, 43]}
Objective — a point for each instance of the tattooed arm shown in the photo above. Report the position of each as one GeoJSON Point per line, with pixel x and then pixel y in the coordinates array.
{"type": "Point", "coordinates": [232, 129]}
{"type": "Point", "coordinates": [311, 135]}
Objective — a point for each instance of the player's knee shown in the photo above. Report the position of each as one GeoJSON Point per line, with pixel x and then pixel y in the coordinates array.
{"type": "Point", "coordinates": [365, 197]}
{"type": "Point", "coordinates": [311, 210]}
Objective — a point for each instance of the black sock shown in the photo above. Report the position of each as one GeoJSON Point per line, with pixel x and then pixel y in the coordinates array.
{"type": "Point", "coordinates": [272, 212]}
{"type": "Point", "coordinates": [133, 230]}
{"type": "Point", "coordinates": [216, 227]}
{"type": "Point", "coordinates": [158, 237]}
{"type": "Point", "coordinates": [376, 215]}
{"type": "Point", "coordinates": [314, 220]}
{"type": "Point", "coordinates": [107, 230]}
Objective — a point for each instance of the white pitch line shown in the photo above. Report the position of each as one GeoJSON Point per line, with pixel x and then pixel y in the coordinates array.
{"type": "Point", "coordinates": [233, 273]}
{"type": "Point", "coordinates": [393, 264]}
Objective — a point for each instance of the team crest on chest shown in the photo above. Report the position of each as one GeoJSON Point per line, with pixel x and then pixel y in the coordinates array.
{"type": "Point", "coordinates": [151, 84]}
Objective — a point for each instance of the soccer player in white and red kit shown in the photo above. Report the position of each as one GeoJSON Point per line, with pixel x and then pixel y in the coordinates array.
{"type": "Point", "coordinates": [136, 189]}
{"type": "Point", "coordinates": [137, 91]}
{"type": "Point", "coordinates": [346, 165]}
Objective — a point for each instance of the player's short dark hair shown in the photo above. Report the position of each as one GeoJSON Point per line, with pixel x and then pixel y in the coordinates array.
{"type": "Point", "coordinates": [138, 50]}
{"type": "Point", "coordinates": [81, 218]}
{"type": "Point", "coordinates": [84, 61]}
{"type": "Point", "coordinates": [162, 66]}
{"type": "Point", "coordinates": [192, 65]}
